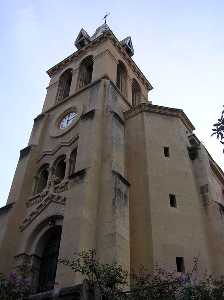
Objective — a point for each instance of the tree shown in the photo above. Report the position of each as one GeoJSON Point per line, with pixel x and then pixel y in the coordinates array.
{"type": "Point", "coordinates": [111, 281]}
{"type": "Point", "coordinates": [108, 279]}
{"type": "Point", "coordinates": [14, 287]}
{"type": "Point", "coordinates": [218, 129]}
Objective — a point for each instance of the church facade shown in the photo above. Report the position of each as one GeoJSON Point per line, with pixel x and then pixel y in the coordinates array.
{"type": "Point", "coordinates": [106, 169]}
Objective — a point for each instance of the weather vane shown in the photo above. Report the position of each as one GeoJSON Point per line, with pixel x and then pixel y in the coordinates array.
{"type": "Point", "coordinates": [105, 17]}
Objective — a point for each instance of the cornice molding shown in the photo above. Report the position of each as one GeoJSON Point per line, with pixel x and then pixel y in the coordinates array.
{"type": "Point", "coordinates": [117, 117]}
{"type": "Point", "coordinates": [77, 92]}
{"type": "Point", "coordinates": [88, 115]}
{"type": "Point", "coordinates": [78, 176]}
{"type": "Point", "coordinates": [6, 208]}
{"type": "Point", "coordinates": [124, 180]}
{"type": "Point", "coordinates": [39, 117]}
{"type": "Point", "coordinates": [131, 63]}
{"type": "Point", "coordinates": [107, 35]}
{"type": "Point", "coordinates": [63, 144]}
{"type": "Point", "coordinates": [25, 151]}
{"type": "Point", "coordinates": [52, 71]}
{"type": "Point", "coordinates": [50, 198]}
{"type": "Point", "coordinates": [105, 52]}
{"type": "Point", "coordinates": [216, 169]}
{"type": "Point", "coordinates": [168, 111]}
{"type": "Point", "coordinates": [119, 92]}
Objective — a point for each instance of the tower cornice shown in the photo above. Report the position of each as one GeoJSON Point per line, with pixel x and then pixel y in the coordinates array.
{"type": "Point", "coordinates": [94, 43]}
{"type": "Point", "coordinates": [168, 111]}
{"type": "Point", "coordinates": [215, 168]}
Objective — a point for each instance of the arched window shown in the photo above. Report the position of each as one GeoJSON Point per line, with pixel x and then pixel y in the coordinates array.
{"type": "Point", "coordinates": [50, 244]}
{"type": "Point", "coordinates": [72, 162]}
{"type": "Point", "coordinates": [64, 85]}
{"type": "Point", "coordinates": [41, 179]}
{"type": "Point", "coordinates": [136, 93]}
{"type": "Point", "coordinates": [85, 72]}
{"type": "Point", "coordinates": [59, 169]}
{"type": "Point", "coordinates": [122, 78]}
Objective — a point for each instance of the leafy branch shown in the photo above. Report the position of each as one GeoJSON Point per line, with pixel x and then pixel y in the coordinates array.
{"type": "Point", "coordinates": [218, 129]}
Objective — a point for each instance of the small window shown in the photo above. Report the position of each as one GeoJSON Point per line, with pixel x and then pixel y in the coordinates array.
{"type": "Point", "coordinates": [64, 85]}
{"type": "Point", "coordinates": [122, 78]}
{"type": "Point", "coordinates": [59, 170]}
{"type": "Point", "coordinates": [136, 93]}
{"type": "Point", "coordinates": [180, 264]}
{"type": "Point", "coordinates": [173, 201]}
{"type": "Point", "coordinates": [85, 72]}
{"type": "Point", "coordinates": [41, 179]}
{"type": "Point", "coordinates": [48, 260]}
{"type": "Point", "coordinates": [166, 151]}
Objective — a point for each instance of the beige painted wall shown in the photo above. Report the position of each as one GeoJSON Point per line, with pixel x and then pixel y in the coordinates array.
{"type": "Point", "coordinates": [120, 203]}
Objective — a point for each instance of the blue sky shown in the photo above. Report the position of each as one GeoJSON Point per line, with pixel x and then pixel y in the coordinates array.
{"type": "Point", "coordinates": [179, 46]}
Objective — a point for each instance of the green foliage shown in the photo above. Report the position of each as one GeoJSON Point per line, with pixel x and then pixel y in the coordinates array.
{"type": "Point", "coordinates": [109, 279]}
{"type": "Point", "coordinates": [14, 287]}
{"type": "Point", "coordinates": [159, 284]}
{"type": "Point", "coordinates": [218, 129]}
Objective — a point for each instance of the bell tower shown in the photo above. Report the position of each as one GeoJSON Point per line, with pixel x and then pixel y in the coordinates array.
{"type": "Point", "coordinates": [70, 190]}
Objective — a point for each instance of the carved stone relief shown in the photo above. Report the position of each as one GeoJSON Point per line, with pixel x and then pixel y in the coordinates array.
{"type": "Point", "coordinates": [49, 198]}
{"type": "Point", "coordinates": [120, 187]}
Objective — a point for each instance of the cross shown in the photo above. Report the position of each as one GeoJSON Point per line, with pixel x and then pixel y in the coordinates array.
{"type": "Point", "coordinates": [105, 17]}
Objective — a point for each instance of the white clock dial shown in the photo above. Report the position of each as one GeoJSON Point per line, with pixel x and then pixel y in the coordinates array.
{"type": "Point", "coordinates": [67, 120]}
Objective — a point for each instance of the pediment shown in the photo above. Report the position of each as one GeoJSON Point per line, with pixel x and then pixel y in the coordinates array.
{"type": "Point", "coordinates": [46, 201]}
{"type": "Point", "coordinates": [82, 39]}
{"type": "Point", "coordinates": [127, 44]}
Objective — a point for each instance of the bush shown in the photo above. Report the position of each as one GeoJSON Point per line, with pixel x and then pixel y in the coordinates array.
{"type": "Point", "coordinates": [14, 287]}
{"type": "Point", "coordinates": [159, 284]}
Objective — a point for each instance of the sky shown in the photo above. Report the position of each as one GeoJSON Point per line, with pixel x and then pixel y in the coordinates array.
{"type": "Point", "coordinates": [179, 46]}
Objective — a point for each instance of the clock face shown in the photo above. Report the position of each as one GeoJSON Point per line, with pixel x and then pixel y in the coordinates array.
{"type": "Point", "coordinates": [68, 120]}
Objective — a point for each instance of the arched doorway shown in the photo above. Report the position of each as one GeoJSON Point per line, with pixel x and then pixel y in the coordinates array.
{"type": "Point", "coordinates": [49, 245]}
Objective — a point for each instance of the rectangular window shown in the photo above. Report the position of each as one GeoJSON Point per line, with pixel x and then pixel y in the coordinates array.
{"type": "Point", "coordinates": [166, 151]}
{"type": "Point", "coordinates": [173, 201]}
{"type": "Point", "coordinates": [180, 264]}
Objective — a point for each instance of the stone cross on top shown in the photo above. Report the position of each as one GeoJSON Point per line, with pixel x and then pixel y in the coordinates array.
{"type": "Point", "coordinates": [105, 17]}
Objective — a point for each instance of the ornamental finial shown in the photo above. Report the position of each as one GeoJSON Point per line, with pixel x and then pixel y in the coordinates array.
{"type": "Point", "coordinates": [105, 17]}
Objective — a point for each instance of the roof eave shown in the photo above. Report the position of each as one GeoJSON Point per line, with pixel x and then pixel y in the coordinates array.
{"type": "Point", "coordinates": [108, 34]}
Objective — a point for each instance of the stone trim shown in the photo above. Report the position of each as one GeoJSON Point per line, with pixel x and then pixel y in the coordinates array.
{"type": "Point", "coordinates": [52, 84]}
{"type": "Point", "coordinates": [193, 140]}
{"type": "Point", "coordinates": [50, 197]}
{"type": "Point", "coordinates": [6, 208]}
{"type": "Point", "coordinates": [25, 151]}
{"type": "Point", "coordinates": [88, 115]}
{"type": "Point", "coordinates": [119, 92]}
{"type": "Point", "coordinates": [131, 63]}
{"type": "Point", "coordinates": [124, 180]}
{"type": "Point", "coordinates": [107, 51]}
{"type": "Point", "coordinates": [38, 198]}
{"type": "Point", "coordinates": [168, 111]}
{"type": "Point", "coordinates": [57, 104]}
{"type": "Point", "coordinates": [39, 117]}
{"type": "Point", "coordinates": [82, 90]}
{"type": "Point", "coordinates": [107, 35]}
{"type": "Point", "coordinates": [56, 149]}
{"type": "Point", "coordinates": [79, 175]}
{"type": "Point", "coordinates": [217, 171]}
{"type": "Point", "coordinates": [52, 71]}
{"type": "Point", "coordinates": [117, 117]}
